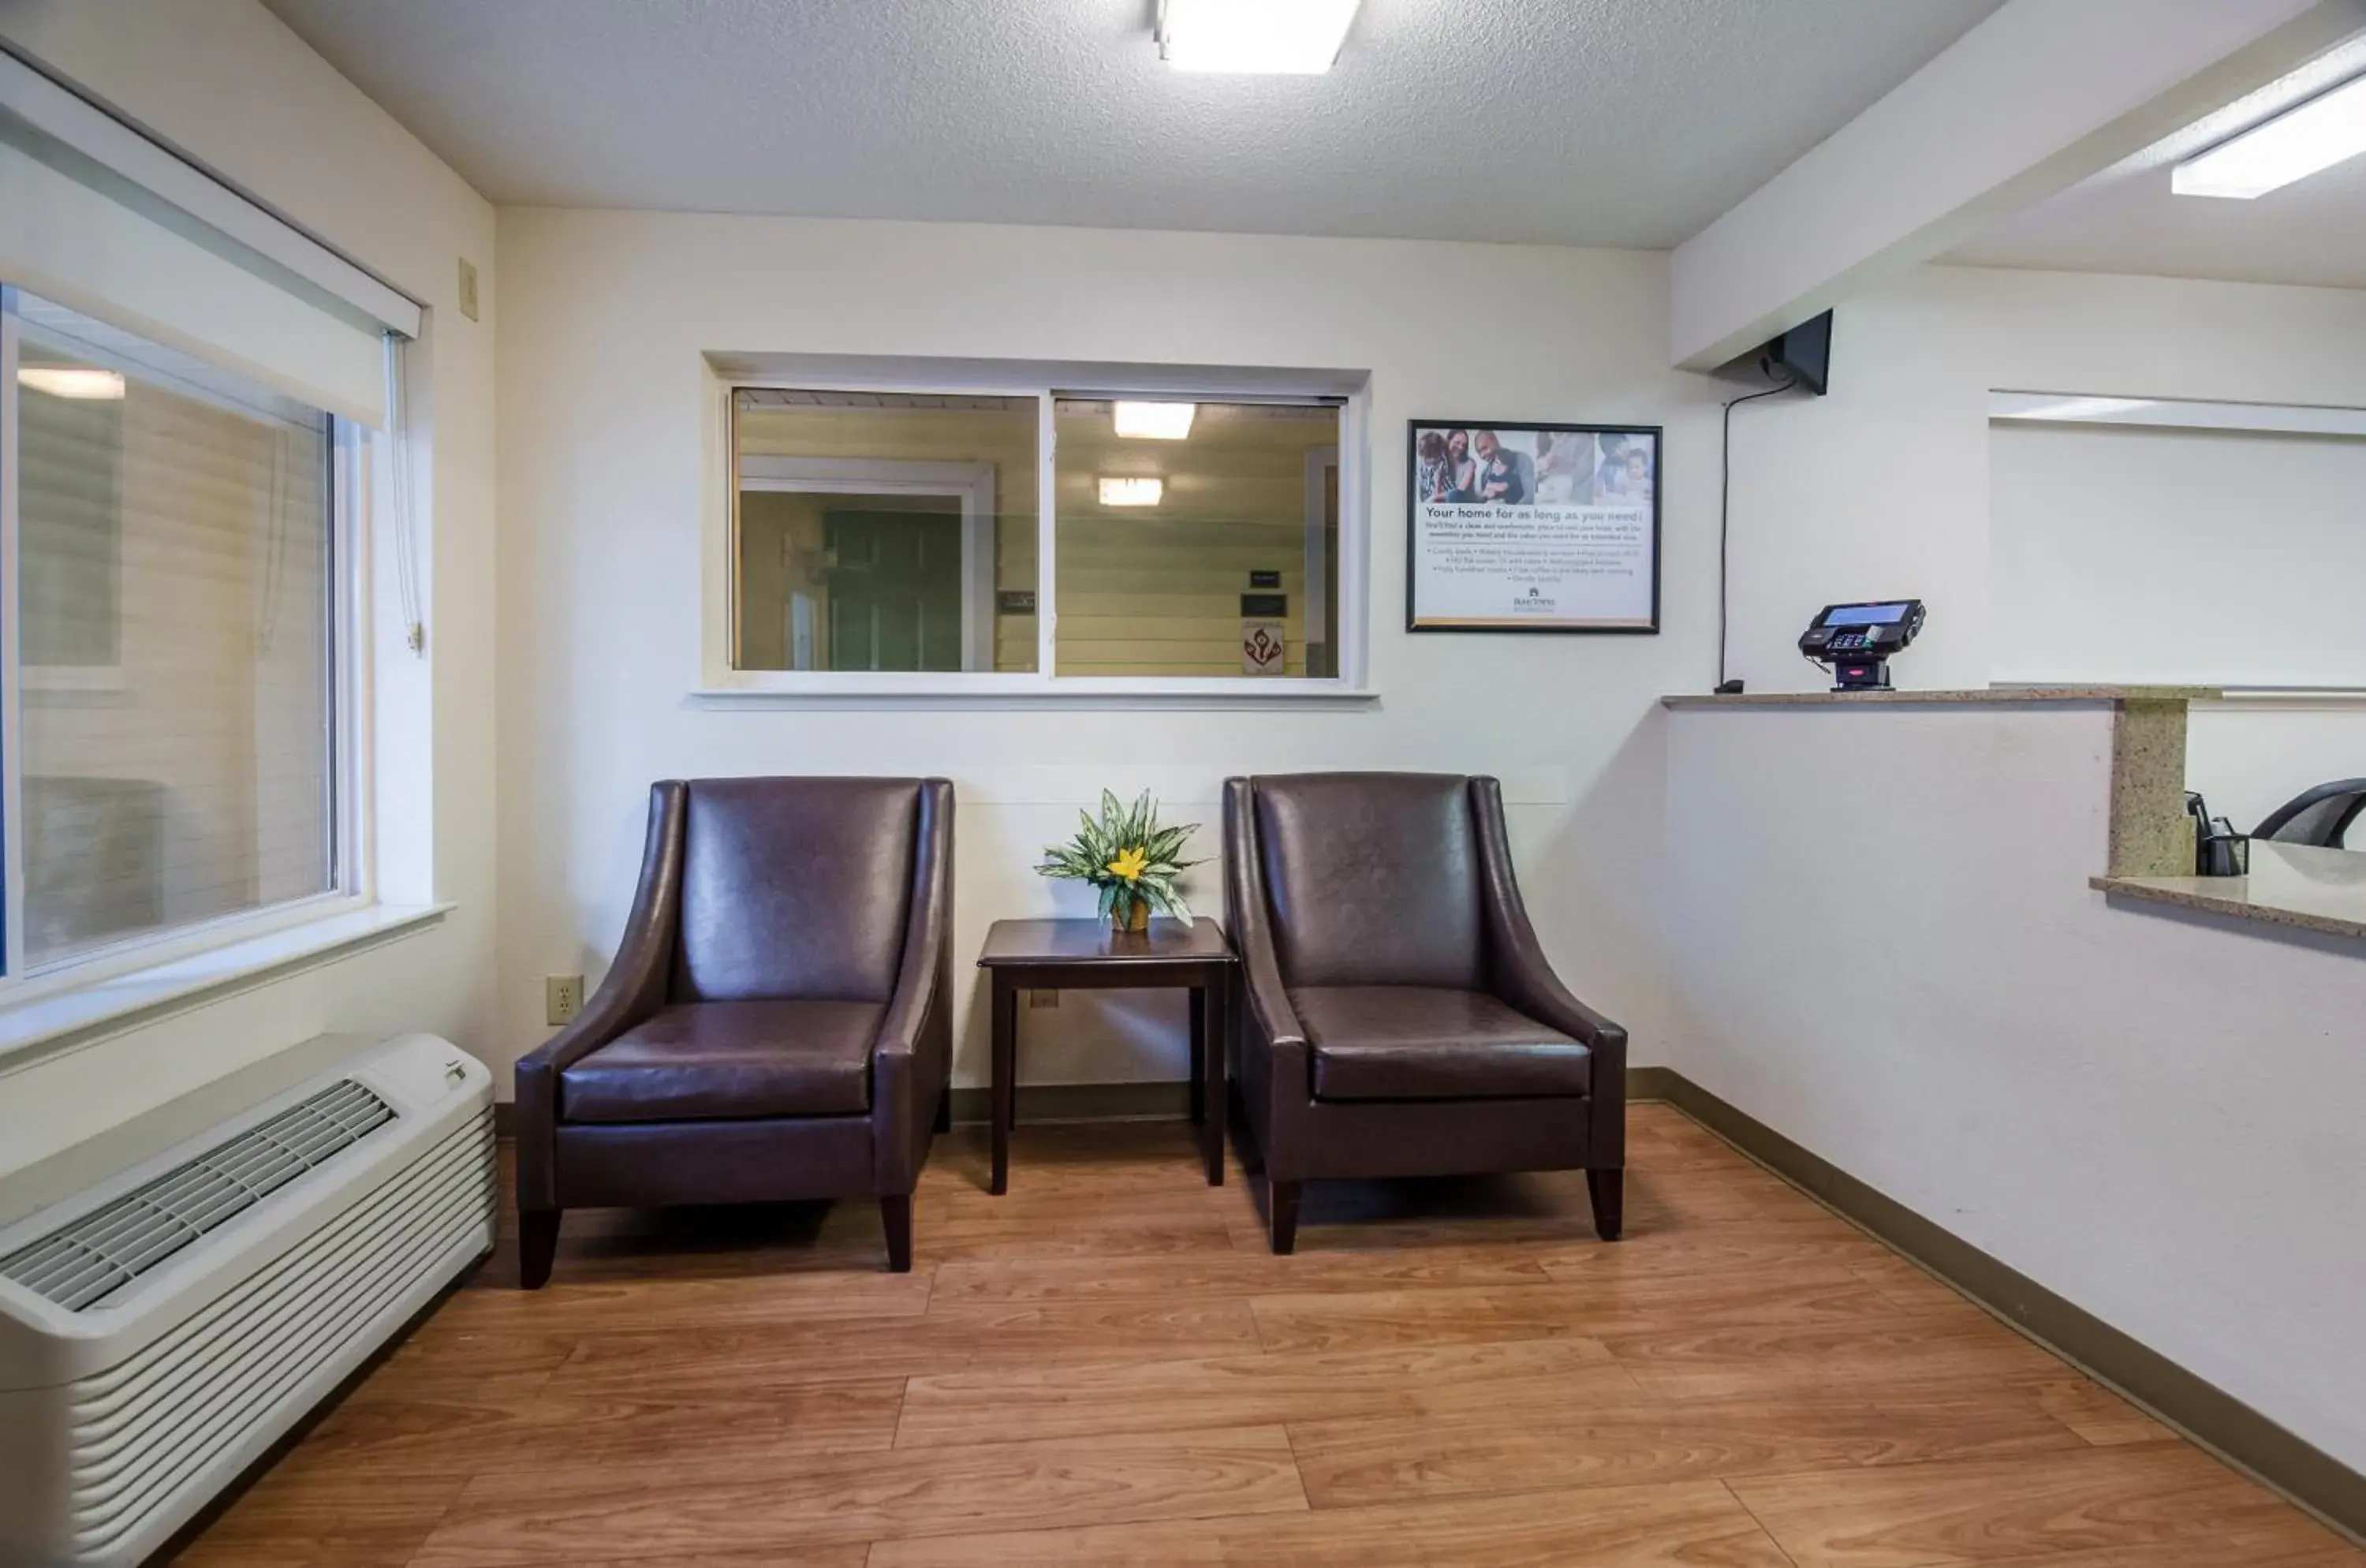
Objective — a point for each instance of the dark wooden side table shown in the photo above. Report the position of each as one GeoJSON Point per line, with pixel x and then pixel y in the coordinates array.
{"type": "Point", "coordinates": [1084, 955]}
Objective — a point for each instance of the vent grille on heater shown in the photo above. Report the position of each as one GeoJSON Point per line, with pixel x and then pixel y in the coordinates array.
{"type": "Point", "coordinates": [105, 1250]}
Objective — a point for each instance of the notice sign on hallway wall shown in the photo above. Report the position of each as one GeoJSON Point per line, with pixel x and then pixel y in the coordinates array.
{"type": "Point", "coordinates": [1263, 649]}
{"type": "Point", "coordinates": [1533, 527]}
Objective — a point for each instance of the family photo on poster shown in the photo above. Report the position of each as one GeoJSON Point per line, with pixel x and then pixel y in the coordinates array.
{"type": "Point", "coordinates": [1533, 527]}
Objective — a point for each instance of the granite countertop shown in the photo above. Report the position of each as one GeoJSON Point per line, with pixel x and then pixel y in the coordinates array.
{"type": "Point", "coordinates": [1967, 694]}
{"type": "Point", "coordinates": [2290, 884]}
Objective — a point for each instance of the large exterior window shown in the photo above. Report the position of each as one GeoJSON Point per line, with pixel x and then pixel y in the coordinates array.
{"type": "Point", "coordinates": [174, 750]}
{"type": "Point", "coordinates": [1015, 540]}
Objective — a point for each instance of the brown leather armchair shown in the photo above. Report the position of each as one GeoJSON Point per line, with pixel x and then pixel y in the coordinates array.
{"type": "Point", "coordinates": [1399, 1017]}
{"type": "Point", "coordinates": [777, 1024]}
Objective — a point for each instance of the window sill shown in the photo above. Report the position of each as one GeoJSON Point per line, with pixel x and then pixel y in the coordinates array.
{"type": "Point", "coordinates": [781, 690]}
{"type": "Point", "coordinates": [98, 679]}
{"type": "Point", "coordinates": [75, 686]}
{"type": "Point", "coordinates": [50, 1017]}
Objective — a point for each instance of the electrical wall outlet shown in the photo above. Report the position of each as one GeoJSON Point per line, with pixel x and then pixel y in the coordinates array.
{"type": "Point", "coordinates": [467, 288]}
{"type": "Point", "coordinates": [562, 998]}
{"type": "Point", "coordinates": [1043, 998]}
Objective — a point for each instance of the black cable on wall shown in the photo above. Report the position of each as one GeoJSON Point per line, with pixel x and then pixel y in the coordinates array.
{"type": "Point", "coordinates": [1725, 515]}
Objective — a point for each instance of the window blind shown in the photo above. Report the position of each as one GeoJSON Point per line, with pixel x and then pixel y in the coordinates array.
{"type": "Point", "coordinates": [97, 217]}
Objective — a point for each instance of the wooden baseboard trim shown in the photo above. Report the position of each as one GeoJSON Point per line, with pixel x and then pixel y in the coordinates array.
{"type": "Point", "coordinates": [1037, 1102]}
{"type": "Point", "coordinates": [1649, 1083]}
{"type": "Point", "coordinates": [1083, 1103]}
{"type": "Point", "coordinates": [1112, 1101]}
{"type": "Point", "coordinates": [2218, 1421]}
{"type": "Point", "coordinates": [1166, 1100]}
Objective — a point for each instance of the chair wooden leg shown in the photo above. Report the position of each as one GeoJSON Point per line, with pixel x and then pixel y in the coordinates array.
{"type": "Point", "coordinates": [537, 1245]}
{"type": "Point", "coordinates": [1281, 1202]}
{"type": "Point", "coordinates": [1608, 1191]}
{"type": "Point", "coordinates": [896, 1208]}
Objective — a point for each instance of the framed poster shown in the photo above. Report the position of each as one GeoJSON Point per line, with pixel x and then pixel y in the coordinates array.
{"type": "Point", "coordinates": [1532, 527]}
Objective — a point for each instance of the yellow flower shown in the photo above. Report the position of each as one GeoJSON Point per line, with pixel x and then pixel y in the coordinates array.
{"type": "Point", "coordinates": [1130, 864]}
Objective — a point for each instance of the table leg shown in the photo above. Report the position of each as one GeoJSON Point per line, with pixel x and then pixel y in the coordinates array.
{"type": "Point", "coordinates": [1005, 1071]}
{"type": "Point", "coordinates": [1199, 1054]}
{"type": "Point", "coordinates": [1214, 1007]}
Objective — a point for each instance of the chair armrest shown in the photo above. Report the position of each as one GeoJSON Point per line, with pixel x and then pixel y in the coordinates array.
{"type": "Point", "coordinates": [1518, 972]}
{"type": "Point", "coordinates": [1270, 1014]}
{"type": "Point", "coordinates": [1517, 969]}
{"type": "Point", "coordinates": [633, 987]}
{"type": "Point", "coordinates": [1265, 999]}
{"type": "Point", "coordinates": [1523, 979]}
{"type": "Point", "coordinates": [911, 1062]}
{"type": "Point", "coordinates": [1276, 1063]}
{"type": "Point", "coordinates": [1522, 976]}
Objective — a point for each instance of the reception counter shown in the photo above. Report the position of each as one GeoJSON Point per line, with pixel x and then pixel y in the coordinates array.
{"type": "Point", "coordinates": [1951, 697]}
{"type": "Point", "coordinates": [1944, 942]}
{"type": "Point", "coordinates": [2148, 859]}
{"type": "Point", "coordinates": [2150, 833]}
{"type": "Point", "coordinates": [2290, 884]}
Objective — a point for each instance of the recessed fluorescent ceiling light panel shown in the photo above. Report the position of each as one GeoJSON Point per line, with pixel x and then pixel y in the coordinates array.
{"type": "Point", "coordinates": [1274, 37]}
{"type": "Point", "coordinates": [1131, 493]}
{"type": "Point", "coordinates": [2065, 408]}
{"type": "Point", "coordinates": [66, 381]}
{"type": "Point", "coordinates": [2326, 130]}
{"type": "Point", "coordinates": [1154, 421]}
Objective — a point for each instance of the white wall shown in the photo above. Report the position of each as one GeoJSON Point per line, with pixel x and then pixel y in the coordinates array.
{"type": "Point", "coordinates": [2177, 557]}
{"type": "Point", "coordinates": [605, 318]}
{"type": "Point", "coordinates": [1884, 946]}
{"type": "Point", "coordinates": [228, 83]}
{"type": "Point", "coordinates": [1882, 488]}
{"type": "Point", "coordinates": [2249, 756]}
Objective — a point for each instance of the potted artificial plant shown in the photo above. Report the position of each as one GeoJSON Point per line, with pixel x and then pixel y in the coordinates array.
{"type": "Point", "coordinates": [1128, 857]}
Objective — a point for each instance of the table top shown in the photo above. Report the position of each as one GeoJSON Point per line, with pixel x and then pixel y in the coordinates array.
{"type": "Point", "coordinates": [1092, 941]}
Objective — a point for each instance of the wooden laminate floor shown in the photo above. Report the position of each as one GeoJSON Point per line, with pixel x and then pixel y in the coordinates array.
{"type": "Point", "coordinates": [1106, 1366]}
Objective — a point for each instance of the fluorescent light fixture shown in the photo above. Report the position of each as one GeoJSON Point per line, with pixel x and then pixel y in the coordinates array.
{"type": "Point", "coordinates": [71, 381]}
{"type": "Point", "coordinates": [2298, 142]}
{"type": "Point", "coordinates": [1267, 38]}
{"type": "Point", "coordinates": [1155, 421]}
{"type": "Point", "coordinates": [1131, 493]}
{"type": "Point", "coordinates": [2072, 408]}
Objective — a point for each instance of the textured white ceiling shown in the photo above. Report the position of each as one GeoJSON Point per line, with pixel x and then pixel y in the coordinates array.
{"type": "Point", "coordinates": [2128, 220]}
{"type": "Point", "coordinates": [1609, 122]}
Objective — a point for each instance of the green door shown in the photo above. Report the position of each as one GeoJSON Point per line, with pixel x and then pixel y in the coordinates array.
{"type": "Point", "coordinates": [894, 590]}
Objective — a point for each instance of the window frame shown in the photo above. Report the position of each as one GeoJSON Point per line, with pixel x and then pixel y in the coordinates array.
{"type": "Point", "coordinates": [722, 680]}
{"type": "Point", "coordinates": [351, 880]}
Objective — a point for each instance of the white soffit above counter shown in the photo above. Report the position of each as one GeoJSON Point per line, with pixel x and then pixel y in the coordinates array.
{"type": "Point", "coordinates": [2128, 218]}
{"type": "Point", "coordinates": [2041, 95]}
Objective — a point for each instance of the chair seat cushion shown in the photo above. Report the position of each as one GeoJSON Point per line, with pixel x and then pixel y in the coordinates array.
{"type": "Point", "coordinates": [718, 1061]}
{"type": "Point", "coordinates": [1417, 1042]}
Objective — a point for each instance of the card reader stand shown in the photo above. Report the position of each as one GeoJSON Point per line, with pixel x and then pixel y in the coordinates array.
{"type": "Point", "coordinates": [1861, 675]}
{"type": "Point", "coordinates": [1856, 641]}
